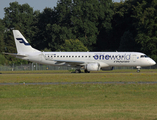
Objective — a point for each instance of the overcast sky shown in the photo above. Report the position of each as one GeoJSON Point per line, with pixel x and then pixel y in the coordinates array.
{"type": "Point", "coordinates": [35, 4]}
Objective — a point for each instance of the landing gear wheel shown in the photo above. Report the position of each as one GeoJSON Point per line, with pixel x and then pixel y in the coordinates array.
{"type": "Point", "coordinates": [138, 70]}
{"type": "Point", "coordinates": [77, 71]}
{"type": "Point", "coordinates": [86, 71]}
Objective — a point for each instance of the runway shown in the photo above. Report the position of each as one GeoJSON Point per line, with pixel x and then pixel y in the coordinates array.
{"type": "Point", "coordinates": [73, 83]}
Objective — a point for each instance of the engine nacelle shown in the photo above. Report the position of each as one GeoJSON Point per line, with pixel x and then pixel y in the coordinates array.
{"type": "Point", "coordinates": [92, 67]}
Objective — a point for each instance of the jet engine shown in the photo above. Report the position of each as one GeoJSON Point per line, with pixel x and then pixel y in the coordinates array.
{"type": "Point", "coordinates": [92, 67]}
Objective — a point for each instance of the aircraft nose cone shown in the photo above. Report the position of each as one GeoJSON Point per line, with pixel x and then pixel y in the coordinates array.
{"type": "Point", "coordinates": [152, 62]}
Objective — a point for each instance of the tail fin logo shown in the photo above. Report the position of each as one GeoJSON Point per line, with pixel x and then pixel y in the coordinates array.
{"type": "Point", "coordinates": [22, 41]}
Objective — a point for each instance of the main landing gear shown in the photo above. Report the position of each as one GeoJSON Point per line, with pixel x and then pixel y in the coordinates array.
{"type": "Point", "coordinates": [79, 71]}
{"type": "Point", "coordinates": [86, 71]}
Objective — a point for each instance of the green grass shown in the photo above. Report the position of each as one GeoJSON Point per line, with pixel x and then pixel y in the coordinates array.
{"type": "Point", "coordinates": [79, 101]}
{"type": "Point", "coordinates": [50, 76]}
{"type": "Point", "coordinates": [69, 71]}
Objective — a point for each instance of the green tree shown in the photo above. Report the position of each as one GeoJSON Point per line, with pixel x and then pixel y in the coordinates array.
{"type": "Point", "coordinates": [91, 19]}
{"type": "Point", "coordinates": [83, 20]}
{"type": "Point", "coordinates": [146, 14]}
{"type": "Point", "coordinates": [58, 25]}
{"type": "Point", "coordinates": [124, 24]}
{"type": "Point", "coordinates": [44, 34]}
{"type": "Point", "coordinates": [2, 46]}
{"type": "Point", "coordinates": [127, 42]}
{"type": "Point", "coordinates": [72, 45]}
{"type": "Point", "coordinates": [2, 60]}
{"type": "Point", "coordinates": [19, 17]}
{"type": "Point", "coordinates": [58, 35]}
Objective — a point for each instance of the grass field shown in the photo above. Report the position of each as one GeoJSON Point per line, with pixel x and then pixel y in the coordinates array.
{"type": "Point", "coordinates": [79, 101]}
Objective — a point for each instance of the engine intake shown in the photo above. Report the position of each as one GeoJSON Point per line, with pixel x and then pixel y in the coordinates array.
{"type": "Point", "coordinates": [92, 67]}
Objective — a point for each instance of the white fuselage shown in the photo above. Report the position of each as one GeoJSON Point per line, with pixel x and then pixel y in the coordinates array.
{"type": "Point", "coordinates": [105, 59]}
{"type": "Point", "coordinates": [90, 61]}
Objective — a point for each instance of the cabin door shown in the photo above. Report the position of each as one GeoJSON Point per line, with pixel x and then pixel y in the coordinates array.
{"type": "Point", "coordinates": [134, 58]}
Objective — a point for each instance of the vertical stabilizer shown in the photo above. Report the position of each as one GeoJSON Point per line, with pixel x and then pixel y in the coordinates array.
{"type": "Point", "coordinates": [22, 44]}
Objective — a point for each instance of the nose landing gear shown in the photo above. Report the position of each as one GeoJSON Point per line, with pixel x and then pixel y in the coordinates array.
{"type": "Point", "coordinates": [138, 68]}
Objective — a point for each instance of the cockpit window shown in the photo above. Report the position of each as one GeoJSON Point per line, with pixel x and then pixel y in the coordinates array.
{"type": "Point", "coordinates": [144, 56]}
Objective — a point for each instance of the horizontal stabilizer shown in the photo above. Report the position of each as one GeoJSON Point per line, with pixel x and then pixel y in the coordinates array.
{"type": "Point", "coordinates": [14, 54]}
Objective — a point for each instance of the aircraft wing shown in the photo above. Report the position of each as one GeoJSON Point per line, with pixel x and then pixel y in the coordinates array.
{"type": "Point", "coordinates": [14, 54]}
{"type": "Point", "coordinates": [71, 63]}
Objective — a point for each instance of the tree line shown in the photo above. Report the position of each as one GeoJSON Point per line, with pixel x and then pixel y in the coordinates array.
{"type": "Point", "coordinates": [82, 25]}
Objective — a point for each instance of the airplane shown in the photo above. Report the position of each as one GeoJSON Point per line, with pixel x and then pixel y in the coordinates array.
{"type": "Point", "coordinates": [89, 61]}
